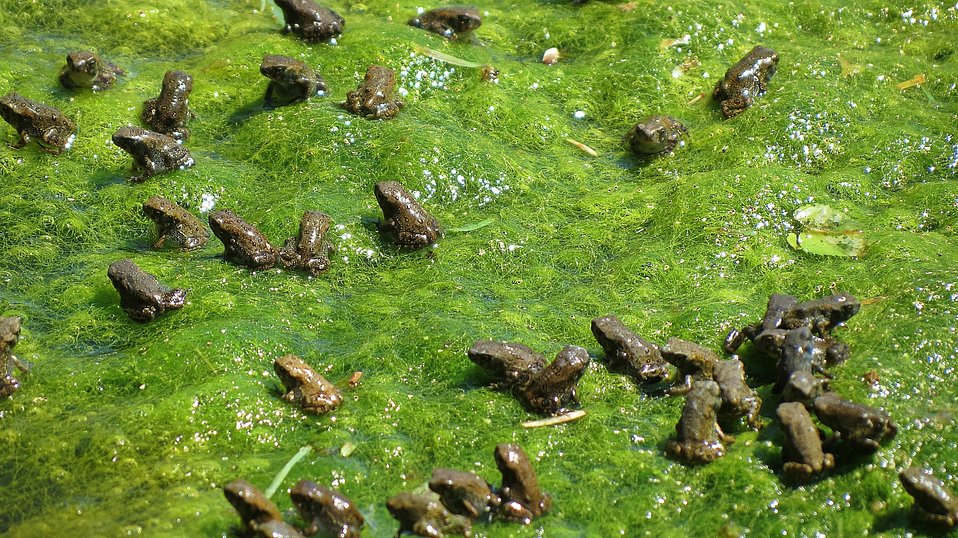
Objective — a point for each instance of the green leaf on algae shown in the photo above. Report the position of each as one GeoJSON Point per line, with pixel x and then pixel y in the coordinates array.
{"type": "Point", "coordinates": [848, 243]}
{"type": "Point", "coordinates": [819, 216]}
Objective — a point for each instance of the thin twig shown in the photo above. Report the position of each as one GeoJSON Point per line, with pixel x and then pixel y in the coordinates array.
{"type": "Point", "coordinates": [585, 149]}
{"type": "Point", "coordinates": [552, 421]}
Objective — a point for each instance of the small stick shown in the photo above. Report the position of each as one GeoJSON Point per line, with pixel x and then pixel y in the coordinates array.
{"type": "Point", "coordinates": [585, 149]}
{"type": "Point", "coordinates": [915, 81]}
{"type": "Point", "coordinates": [21, 365]}
{"type": "Point", "coordinates": [274, 485]}
{"type": "Point", "coordinates": [552, 421]}
{"type": "Point", "coordinates": [697, 98]}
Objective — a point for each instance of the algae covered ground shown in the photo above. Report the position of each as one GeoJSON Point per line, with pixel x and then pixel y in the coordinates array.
{"type": "Point", "coordinates": [123, 428]}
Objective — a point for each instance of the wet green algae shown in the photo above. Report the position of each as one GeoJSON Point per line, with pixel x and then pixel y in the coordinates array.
{"type": "Point", "coordinates": [123, 428]}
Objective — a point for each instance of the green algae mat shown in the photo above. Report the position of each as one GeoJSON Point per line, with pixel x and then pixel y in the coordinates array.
{"type": "Point", "coordinates": [122, 428]}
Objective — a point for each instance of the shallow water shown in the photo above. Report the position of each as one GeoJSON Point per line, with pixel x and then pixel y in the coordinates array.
{"type": "Point", "coordinates": [123, 428]}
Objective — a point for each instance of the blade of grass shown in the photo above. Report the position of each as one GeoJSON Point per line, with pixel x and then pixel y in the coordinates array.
{"type": "Point", "coordinates": [473, 226]}
{"type": "Point", "coordinates": [443, 57]}
{"type": "Point", "coordinates": [281, 475]}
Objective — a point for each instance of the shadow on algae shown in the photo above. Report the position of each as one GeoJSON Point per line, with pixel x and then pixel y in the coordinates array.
{"type": "Point", "coordinates": [122, 428]}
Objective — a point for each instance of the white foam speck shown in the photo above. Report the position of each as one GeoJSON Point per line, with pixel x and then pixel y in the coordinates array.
{"type": "Point", "coordinates": [207, 202]}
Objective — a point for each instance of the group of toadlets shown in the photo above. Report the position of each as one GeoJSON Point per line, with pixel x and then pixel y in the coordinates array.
{"type": "Point", "coordinates": [463, 497]}
{"type": "Point", "coordinates": [144, 298]}
{"type": "Point", "coordinates": [713, 388]}
{"type": "Point", "coordinates": [797, 334]}
{"type": "Point", "coordinates": [160, 150]}
{"type": "Point", "coordinates": [459, 498]}
{"type": "Point", "coordinates": [735, 92]}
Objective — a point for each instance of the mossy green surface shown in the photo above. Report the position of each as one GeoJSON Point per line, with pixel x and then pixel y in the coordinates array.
{"type": "Point", "coordinates": [123, 428]}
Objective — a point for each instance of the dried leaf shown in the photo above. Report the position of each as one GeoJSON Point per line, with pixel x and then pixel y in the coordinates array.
{"type": "Point", "coordinates": [666, 43]}
{"type": "Point", "coordinates": [354, 379]}
{"type": "Point", "coordinates": [914, 81]}
{"type": "Point", "coordinates": [848, 68]}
